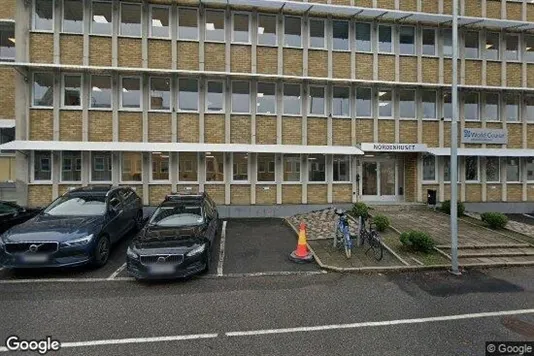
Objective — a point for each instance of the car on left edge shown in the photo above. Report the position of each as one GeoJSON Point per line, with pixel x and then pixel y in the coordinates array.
{"type": "Point", "coordinates": [77, 228]}
{"type": "Point", "coordinates": [12, 214]}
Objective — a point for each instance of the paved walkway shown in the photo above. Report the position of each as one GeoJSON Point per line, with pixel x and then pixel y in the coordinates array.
{"type": "Point", "coordinates": [519, 227]}
{"type": "Point", "coordinates": [320, 224]}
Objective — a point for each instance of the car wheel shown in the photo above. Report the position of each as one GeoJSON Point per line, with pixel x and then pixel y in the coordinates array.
{"type": "Point", "coordinates": [139, 220]}
{"type": "Point", "coordinates": [102, 250]}
{"type": "Point", "coordinates": [208, 260]}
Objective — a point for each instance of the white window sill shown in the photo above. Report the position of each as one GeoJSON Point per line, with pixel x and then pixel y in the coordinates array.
{"type": "Point", "coordinates": [215, 41]}
{"type": "Point", "coordinates": [159, 111]}
{"type": "Point", "coordinates": [183, 182]}
{"type": "Point", "coordinates": [159, 38]}
{"type": "Point", "coordinates": [158, 182]}
{"type": "Point", "coordinates": [514, 122]}
{"type": "Point", "coordinates": [41, 107]}
{"type": "Point", "coordinates": [341, 50]}
{"type": "Point", "coordinates": [100, 182]}
{"type": "Point", "coordinates": [364, 52]}
{"type": "Point", "coordinates": [130, 182]}
{"type": "Point", "coordinates": [341, 117]}
{"type": "Point", "coordinates": [318, 49]}
{"type": "Point", "coordinates": [293, 115]}
{"type": "Point", "coordinates": [241, 43]}
{"type": "Point", "coordinates": [292, 47]}
{"type": "Point", "coordinates": [267, 45]}
{"type": "Point", "coordinates": [218, 183]}
{"type": "Point", "coordinates": [408, 55]}
{"type": "Point", "coordinates": [364, 117]}
{"type": "Point", "coordinates": [193, 40]}
{"type": "Point", "coordinates": [266, 114]}
{"type": "Point", "coordinates": [240, 182]}
{"type": "Point", "coordinates": [514, 182]}
{"type": "Point", "coordinates": [71, 33]}
{"type": "Point", "coordinates": [240, 113]}
{"type": "Point", "coordinates": [291, 182]}
{"type": "Point", "coordinates": [100, 109]}
{"type": "Point", "coordinates": [472, 182]}
{"type": "Point", "coordinates": [429, 182]}
{"type": "Point", "coordinates": [430, 56]}
{"type": "Point", "coordinates": [215, 112]}
{"type": "Point", "coordinates": [138, 37]}
{"type": "Point", "coordinates": [101, 34]}
{"type": "Point", "coordinates": [180, 111]}
{"type": "Point", "coordinates": [40, 182]}
{"type": "Point", "coordinates": [71, 108]}
{"type": "Point", "coordinates": [320, 116]}
{"type": "Point", "coordinates": [316, 182]}
{"type": "Point", "coordinates": [342, 182]}
{"type": "Point", "coordinates": [265, 183]}
{"type": "Point", "coordinates": [131, 109]}
{"type": "Point", "coordinates": [491, 183]}
{"type": "Point", "coordinates": [42, 31]}
{"type": "Point", "coordinates": [430, 119]}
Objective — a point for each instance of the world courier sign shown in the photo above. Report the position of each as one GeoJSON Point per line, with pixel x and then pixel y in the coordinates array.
{"type": "Point", "coordinates": [491, 136]}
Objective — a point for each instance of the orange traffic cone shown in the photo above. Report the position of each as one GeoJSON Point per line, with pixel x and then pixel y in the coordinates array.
{"type": "Point", "coordinates": [301, 254]}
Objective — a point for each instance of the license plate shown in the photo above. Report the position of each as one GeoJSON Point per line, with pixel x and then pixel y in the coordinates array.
{"type": "Point", "coordinates": [34, 258]}
{"type": "Point", "coordinates": [163, 269]}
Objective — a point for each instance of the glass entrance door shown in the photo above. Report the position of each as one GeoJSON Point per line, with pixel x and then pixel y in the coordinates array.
{"type": "Point", "coordinates": [381, 180]}
{"type": "Point", "coordinates": [370, 178]}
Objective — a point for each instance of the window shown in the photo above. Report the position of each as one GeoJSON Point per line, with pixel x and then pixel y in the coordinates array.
{"type": "Point", "coordinates": [316, 168]}
{"type": "Point", "coordinates": [316, 102]}
{"type": "Point", "coordinates": [160, 93]}
{"type": "Point", "coordinates": [71, 90]}
{"type": "Point", "coordinates": [215, 26]}
{"type": "Point", "coordinates": [240, 97]}
{"type": "Point", "coordinates": [341, 169]}
{"type": "Point", "coordinates": [428, 98]}
{"type": "Point", "coordinates": [384, 39]}
{"type": "Point", "coordinates": [471, 106]}
{"type": "Point", "coordinates": [493, 40]}
{"type": "Point", "coordinates": [266, 167]}
{"type": "Point", "coordinates": [407, 40]}
{"type": "Point", "coordinates": [363, 37]}
{"type": "Point", "coordinates": [493, 169]}
{"type": "Point", "coordinates": [471, 169]}
{"type": "Point", "coordinates": [529, 48]}
{"type": "Point", "coordinates": [266, 100]}
{"type": "Point", "coordinates": [317, 34]}
{"type": "Point", "coordinates": [340, 31]}
{"type": "Point", "coordinates": [492, 107]}
{"type": "Point", "coordinates": [159, 21]}
{"type": "Point", "coordinates": [513, 169]}
{"type": "Point", "coordinates": [214, 167]}
{"type": "Point", "coordinates": [471, 45]}
{"type": "Point", "coordinates": [291, 168]}
{"type": "Point", "coordinates": [215, 97]}
{"type": "Point", "coordinates": [188, 167]}
{"type": "Point", "coordinates": [429, 41]}
{"type": "Point", "coordinates": [291, 99]}
{"type": "Point", "coordinates": [447, 171]}
{"type": "Point", "coordinates": [130, 20]}
{"type": "Point", "coordinates": [267, 33]}
{"type": "Point", "coordinates": [132, 166]}
{"type": "Point", "coordinates": [43, 89]}
{"type": "Point", "coordinates": [72, 16]}
{"type": "Point", "coordinates": [188, 24]}
{"type": "Point", "coordinates": [363, 102]}
{"type": "Point", "coordinates": [529, 108]}
{"type": "Point", "coordinates": [512, 48]}
{"type": "Point", "coordinates": [101, 166]}
{"type": "Point", "coordinates": [512, 107]}
{"type": "Point", "coordinates": [530, 168]}
{"type": "Point", "coordinates": [292, 32]}
{"type": "Point", "coordinates": [7, 42]}
{"type": "Point", "coordinates": [42, 165]}
{"type": "Point", "coordinates": [160, 166]}
{"type": "Point", "coordinates": [240, 167]}
{"type": "Point", "coordinates": [385, 103]}
{"type": "Point", "coordinates": [100, 91]}
{"type": "Point", "coordinates": [71, 166]}
{"type": "Point", "coordinates": [7, 134]}
{"type": "Point", "coordinates": [429, 167]}
{"type": "Point", "coordinates": [43, 16]}
{"type": "Point", "coordinates": [188, 94]}
{"type": "Point", "coordinates": [241, 31]}
{"type": "Point", "coordinates": [101, 23]}
{"type": "Point", "coordinates": [341, 101]}
{"type": "Point", "coordinates": [131, 92]}
{"type": "Point", "coordinates": [407, 104]}
{"type": "Point", "coordinates": [446, 35]}
{"type": "Point", "coordinates": [447, 105]}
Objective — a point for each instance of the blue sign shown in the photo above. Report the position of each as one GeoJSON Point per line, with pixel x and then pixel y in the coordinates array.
{"type": "Point", "coordinates": [491, 136]}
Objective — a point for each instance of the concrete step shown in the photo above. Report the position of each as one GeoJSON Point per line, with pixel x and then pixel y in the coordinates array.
{"type": "Point", "coordinates": [487, 246]}
{"type": "Point", "coordinates": [496, 254]}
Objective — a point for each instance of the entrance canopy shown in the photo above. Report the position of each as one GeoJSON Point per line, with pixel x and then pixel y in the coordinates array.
{"type": "Point", "coordinates": [490, 152]}
{"type": "Point", "coordinates": [7, 123]}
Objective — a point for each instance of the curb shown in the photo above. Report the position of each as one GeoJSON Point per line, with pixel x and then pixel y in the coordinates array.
{"type": "Point", "coordinates": [317, 259]}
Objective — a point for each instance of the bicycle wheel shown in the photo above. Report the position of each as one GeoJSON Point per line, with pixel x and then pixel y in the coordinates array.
{"type": "Point", "coordinates": [348, 245]}
{"type": "Point", "coordinates": [378, 250]}
{"type": "Point", "coordinates": [337, 237]}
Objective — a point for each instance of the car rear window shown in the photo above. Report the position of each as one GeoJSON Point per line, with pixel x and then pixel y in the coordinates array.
{"type": "Point", "coordinates": [78, 205]}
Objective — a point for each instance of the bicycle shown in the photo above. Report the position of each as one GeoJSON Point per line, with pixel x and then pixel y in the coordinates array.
{"type": "Point", "coordinates": [373, 239]}
{"type": "Point", "coordinates": [342, 234]}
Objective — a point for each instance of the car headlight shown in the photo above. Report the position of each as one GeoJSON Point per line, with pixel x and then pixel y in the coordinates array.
{"type": "Point", "coordinates": [130, 253]}
{"type": "Point", "coordinates": [78, 242]}
{"type": "Point", "coordinates": [197, 250]}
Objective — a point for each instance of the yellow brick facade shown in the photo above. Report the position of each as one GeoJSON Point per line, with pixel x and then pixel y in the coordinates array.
{"type": "Point", "coordinates": [341, 65]}
{"type": "Point", "coordinates": [364, 130]}
{"type": "Point", "coordinates": [130, 52]}
{"type": "Point", "coordinates": [265, 130]}
{"type": "Point", "coordinates": [364, 66]}
{"type": "Point", "coordinates": [187, 55]}
{"type": "Point", "coordinates": [342, 193]}
{"type": "Point", "coordinates": [41, 125]}
{"type": "Point", "coordinates": [318, 63]}
{"type": "Point", "coordinates": [157, 193]}
{"type": "Point", "coordinates": [241, 61]}
{"type": "Point", "coordinates": [39, 195]}
{"type": "Point", "coordinates": [7, 93]}
{"type": "Point", "coordinates": [408, 72]}
{"type": "Point", "coordinates": [70, 125]}
{"type": "Point", "coordinates": [240, 128]}
{"type": "Point", "coordinates": [214, 129]}
{"type": "Point", "coordinates": [292, 61]}
{"type": "Point", "coordinates": [291, 194]}
{"type": "Point", "coordinates": [214, 57]}
{"type": "Point", "coordinates": [514, 192]}
{"type": "Point", "coordinates": [386, 67]}
{"type": "Point", "coordinates": [317, 131]}
{"type": "Point", "coordinates": [240, 194]}
{"type": "Point", "coordinates": [317, 193]}
{"type": "Point", "coordinates": [71, 49]}
{"type": "Point", "coordinates": [7, 10]}
{"type": "Point", "coordinates": [408, 131]}
{"type": "Point", "coordinates": [159, 54]}
{"type": "Point", "coordinates": [130, 127]}
{"type": "Point", "coordinates": [265, 194]}
{"type": "Point", "coordinates": [100, 52]}
{"type": "Point", "coordinates": [159, 127]}
{"type": "Point", "coordinates": [430, 71]}
{"type": "Point", "coordinates": [267, 59]}
{"type": "Point", "coordinates": [386, 131]}
{"type": "Point", "coordinates": [216, 192]}
{"type": "Point", "coordinates": [100, 126]}
{"type": "Point", "coordinates": [41, 48]}
{"type": "Point", "coordinates": [431, 133]}
{"type": "Point", "coordinates": [291, 131]}
{"type": "Point", "coordinates": [188, 128]}
{"type": "Point", "coordinates": [341, 132]}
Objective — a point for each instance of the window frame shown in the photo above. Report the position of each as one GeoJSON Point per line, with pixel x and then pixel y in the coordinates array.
{"type": "Point", "coordinates": [240, 181]}
{"type": "Point", "coordinates": [121, 107]}
{"type": "Point", "coordinates": [520, 170]}
{"type": "Point", "coordinates": [33, 29]}
{"type": "Point", "coordinates": [392, 103]}
{"type": "Point", "coordinates": [310, 46]}
{"type": "Point", "coordinates": [300, 100]}
{"type": "Point", "coordinates": [356, 37]}
{"type": "Point", "coordinates": [465, 45]}
{"type": "Point", "coordinates": [517, 104]}
{"type": "Point", "coordinates": [332, 101]}
{"type": "Point", "coordinates": [526, 168]}
{"type": "Point", "coordinates": [275, 98]}
{"type": "Point", "coordinates": [179, 109]}
{"type": "Point", "coordinates": [527, 49]}
{"type": "Point", "coordinates": [206, 108]}
{"type": "Point", "coordinates": [499, 160]}
{"type": "Point", "coordinates": [414, 44]}
{"type": "Point", "coordinates": [157, 6]}
{"type": "Point", "coordinates": [150, 94]}
{"type": "Point", "coordinates": [499, 56]}
{"type": "Point", "coordinates": [284, 45]}
{"type": "Point", "coordinates": [249, 32]}
{"type": "Point", "coordinates": [178, 25]}
{"type": "Point", "coordinates": [275, 29]}
{"type": "Point", "coordinates": [331, 168]}
{"type": "Point", "coordinates": [259, 182]}
{"type": "Point", "coordinates": [224, 172]}
{"type": "Point", "coordinates": [63, 19]}
{"type": "Point", "coordinates": [92, 19]}
{"type": "Point", "coordinates": [325, 170]}
{"type": "Point", "coordinates": [61, 180]}
{"type": "Point", "coordinates": [310, 101]}
{"type": "Point", "coordinates": [371, 99]}
{"type": "Point", "coordinates": [42, 181]}
{"type": "Point", "coordinates": [478, 106]}
{"type": "Point", "coordinates": [348, 49]}
{"type": "Point", "coordinates": [518, 50]}
{"type": "Point", "coordinates": [91, 107]}
{"type": "Point", "coordinates": [477, 180]}
{"type": "Point", "coordinates": [284, 168]}
{"type": "Point", "coordinates": [71, 107]}
{"type": "Point", "coordinates": [151, 178]}
{"type": "Point", "coordinates": [434, 180]}
{"type": "Point", "coordinates": [422, 114]}
{"type": "Point", "coordinates": [223, 12]}
{"type": "Point", "coordinates": [392, 39]}
{"type": "Point", "coordinates": [33, 91]}
{"type": "Point", "coordinates": [485, 115]}
{"type": "Point", "coordinates": [120, 34]}
{"type": "Point", "coordinates": [421, 41]}
{"type": "Point", "coordinates": [232, 111]}
{"type": "Point", "coordinates": [415, 100]}
{"type": "Point", "coordinates": [91, 161]}
{"type": "Point", "coordinates": [121, 169]}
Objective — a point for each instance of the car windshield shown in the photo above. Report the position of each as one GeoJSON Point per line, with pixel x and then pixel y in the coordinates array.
{"type": "Point", "coordinates": [8, 208]}
{"type": "Point", "coordinates": [78, 205]}
{"type": "Point", "coordinates": [177, 215]}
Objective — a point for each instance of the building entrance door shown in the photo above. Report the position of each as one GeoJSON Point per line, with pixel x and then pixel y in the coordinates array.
{"type": "Point", "coordinates": [382, 179]}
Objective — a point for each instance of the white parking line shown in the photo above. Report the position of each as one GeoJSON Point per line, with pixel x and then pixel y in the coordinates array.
{"type": "Point", "coordinates": [65, 280]}
{"type": "Point", "coordinates": [275, 273]}
{"type": "Point", "coordinates": [119, 270]}
{"type": "Point", "coordinates": [221, 250]}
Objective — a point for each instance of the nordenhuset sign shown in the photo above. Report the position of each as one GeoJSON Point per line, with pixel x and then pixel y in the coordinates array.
{"type": "Point", "coordinates": [493, 136]}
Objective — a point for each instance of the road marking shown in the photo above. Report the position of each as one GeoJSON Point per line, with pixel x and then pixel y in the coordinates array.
{"type": "Point", "coordinates": [119, 270]}
{"type": "Point", "coordinates": [379, 323]}
{"type": "Point", "coordinates": [221, 250]}
{"type": "Point", "coordinates": [131, 341]}
{"type": "Point", "coordinates": [65, 280]}
{"type": "Point", "coordinates": [274, 273]}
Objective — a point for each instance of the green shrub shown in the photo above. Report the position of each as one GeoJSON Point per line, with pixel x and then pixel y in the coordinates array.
{"type": "Point", "coordinates": [381, 222]}
{"type": "Point", "coordinates": [360, 209]}
{"type": "Point", "coordinates": [446, 207]}
{"type": "Point", "coordinates": [494, 220]}
{"type": "Point", "coordinates": [417, 241]}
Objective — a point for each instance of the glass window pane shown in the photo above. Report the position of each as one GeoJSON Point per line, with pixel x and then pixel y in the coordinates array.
{"type": "Point", "coordinates": [529, 107]}
{"type": "Point", "coordinates": [241, 97]}
{"type": "Point", "coordinates": [7, 42]}
{"type": "Point", "coordinates": [447, 105]}
{"type": "Point", "coordinates": [512, 108]}
{"type": "Point", "coordinates": [429, 41]}
{"type": "Point", "coordinates": [159, 23]}
{"type": "Point", "coordinates": [407, 103]}
{"type": "Point", "coordinates": [385, 108]}
{"type": "Point", "coordinates": [187, 24]}
{"type": "Point", "coordinates": [241, 32]}
{"type": "Point", "coordinates": [43, 89]}
{"type": "Point", "coordinates": [292, 99]}
{"type": "Point", "coordinates": [42, 169]}
{"type": "Point", "coordinates": [266, 100]}
{"type": "Point", "coordinates": [266, 167]}
{"type": "Point", "coordinates": [316, 101]}
{"type": "Point", "coordinates": [512, 48]}
{"type": "Point", "coordinates": [407, 40]}
{"type": "Point", "coordinates": [188, 167]}
{"type": "Point", "coordinates": [72, 16]}
{"type": "Point", "coordinates": [101, 166]}
{"type": "Point", "coordinates": [240, 166]}
{"type": "Point", "coordinates": [100, 91]}
{"type": "Point", "coordinates": [131, 93]}
{"type": "Point", "coordinates": [267, 34]}
{"type": "Point", "coordinates": [215, 26]}
{"type": "Point", "coordinates": [446, 35]}
{"type": "Point", "coordinates": [363, 102]}
{"type": "Point", "coordinates": [43, 18]}
{"type": "Point", "coordinates": [471, 168]}
{"type": "Point", "coordinates": [363, 37]}
{"type": "Point", "coordinates": [529, 48]}
{"type": "Point", "coordinates": [214, 167]}
{"type": "Point", "coordinates": [292, 32]}
{"type": "Point", "coordinates": [132, 166]}
{"type": "Point", "coordinates": [384, 39]}
{"type": "Point", "coordinates": [493, 169]}
{"type": "Point", "coordinates": [429, 104]}
{"type": "Point", "coordinates": [341, 101]}
{"type": "Point", "coordinates": [291, 168]}
{"type": "Point", "coordinates": [71, 90]}
{"type": "Point", "coordinates": [71, 166]}
{"type": "Point", "coordinates": [341, 169]}
{"type": "Point", "coordinates": [317, 34]}
{"type": "Point", "coordinates": [492, 108]}
{"type": "Point", "coordinates": [188, 94]}
{"type": "Point", "coordinates": [101, 23]}
{"type": "Point", "coordinates": [215, 96]}
{"type": "Point", "coordinates": [530, 168]}
{"type": "Point", "coordinates": [160, 93]}
{"type": "Point", "coordinates": [492, 45]}
{"type": "Point", "coordinates": [471, 45]}
{"type": "Point", "coordinates": [160, 165]}
{"type": "Point", "coordinates": [340, 30]}
{"type": "Point", "coordinates": [471, 106]}
{"type": "Point", "coordinates": [513, 173]}
{"type": "Point", "coordinates": [316, 168]}
{"type": "Point", "coordinates": [130, 20]}
{"type": "Point", "coordinates": [429, 167]}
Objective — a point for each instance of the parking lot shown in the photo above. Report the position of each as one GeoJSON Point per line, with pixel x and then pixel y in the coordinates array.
{"type": "Point", "coordinates": [244, 247]}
